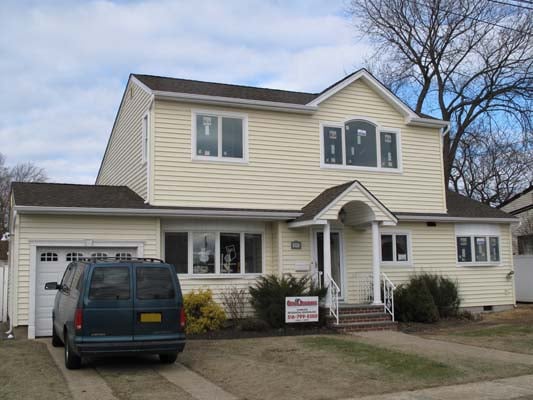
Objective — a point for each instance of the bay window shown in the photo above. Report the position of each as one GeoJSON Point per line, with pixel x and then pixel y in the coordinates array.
{"type": "Point", "coordinates": [360, 144]}
{"type": "Point", "coordinates": [478, 249]}
{"type": "Point", "coordinates": [219, 136]}
{"type": "Point", "coordinates": [395, 248]}
{"type": "Point", "coordinates": [214, 253]}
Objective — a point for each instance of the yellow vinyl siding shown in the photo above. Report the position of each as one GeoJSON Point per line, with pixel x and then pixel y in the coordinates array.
{"type": "Point", "coordinates": [69, 228]}
{"type": "Point", "coordinates": [122, 163]}
{"type": "Point", "coordinates": [284, 170]}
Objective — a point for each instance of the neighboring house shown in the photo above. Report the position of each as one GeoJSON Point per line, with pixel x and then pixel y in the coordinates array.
{"type": "Point", "coordinates": [521, 206]}
{"type": "Point", "coordinates": [231, 182]}
{"type": "Point", "coordinates": [4, 245]}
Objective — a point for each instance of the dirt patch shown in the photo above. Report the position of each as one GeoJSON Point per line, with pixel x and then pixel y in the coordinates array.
{"type": "Point", "coordinates": [307, 367]}
{"type": "Point", "coordinates": [28, 372]}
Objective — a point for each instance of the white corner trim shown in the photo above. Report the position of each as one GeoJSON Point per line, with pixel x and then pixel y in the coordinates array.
{"type": "Point", "coordinates": [34, 244]}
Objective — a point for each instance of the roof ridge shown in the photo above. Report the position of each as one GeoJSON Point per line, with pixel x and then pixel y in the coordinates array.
{"type": "Point", "coordinates": [68, 184]}
{"type": "Point", "coordinates": [227, 84]}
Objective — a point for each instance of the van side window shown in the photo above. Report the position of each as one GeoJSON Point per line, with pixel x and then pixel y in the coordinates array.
{"type": "Point", "coordinates": [110, 283]}
{"type": "Point", "coordinates": [67, 277]}
{"type": "Point", "coordinates": [76, 280]}
{"type": "Point", "coordinates": [154, 283]}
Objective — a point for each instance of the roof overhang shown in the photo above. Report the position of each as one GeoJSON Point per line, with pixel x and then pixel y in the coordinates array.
{"type": "Point", "coordinates": [271, 215]}
{"type": "Point", "coordinates": [448, 218]}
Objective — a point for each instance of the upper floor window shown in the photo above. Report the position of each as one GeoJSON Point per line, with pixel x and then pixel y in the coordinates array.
{"type": "Point", "coordinates": [360, 143]}
{"type": "Point", "coordinates": [219, 136]}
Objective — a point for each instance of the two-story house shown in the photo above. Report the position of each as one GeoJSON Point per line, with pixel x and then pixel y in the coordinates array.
{"type": "Point", "coordinates": [230, 182]}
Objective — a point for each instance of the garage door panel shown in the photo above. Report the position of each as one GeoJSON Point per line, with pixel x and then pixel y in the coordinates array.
{"type": "Point", "coordinates": [52, 271]}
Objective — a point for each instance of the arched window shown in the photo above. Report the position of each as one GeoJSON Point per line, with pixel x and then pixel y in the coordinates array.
{"type": "Point", "coordinates": [73, 256]}
{"type": "Point", "coordinates": [123, 256]}
{"type": "Point", "coordinates": [49, 256]}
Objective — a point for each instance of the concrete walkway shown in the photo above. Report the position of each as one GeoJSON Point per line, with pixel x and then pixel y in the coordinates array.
{"type": "Point", "coordinates": [415, 344]}
{"type": "Point", "coordinates": [501, 389]}
{"type": "Point", "coordinates": [87, 384]}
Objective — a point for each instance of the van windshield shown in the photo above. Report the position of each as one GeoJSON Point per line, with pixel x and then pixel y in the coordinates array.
{"type": "Point", "coordinates": [154, 283]}
{"type": "Point", "coordinates": [110, 283]}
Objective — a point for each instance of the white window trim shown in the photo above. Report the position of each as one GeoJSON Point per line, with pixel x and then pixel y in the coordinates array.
{"type": "Point", "coordinates": [475, 263]}
{"type": "Point", "coordinates": [394, 263]}
{"type": "Point", "coordinates": [217, 274]}
{"type": "Point", "coordinates": [379, 129]}
{"type": "Point", "coordinates": [145, 127]}
{"type": "Point", "coordinates": [219, 157]}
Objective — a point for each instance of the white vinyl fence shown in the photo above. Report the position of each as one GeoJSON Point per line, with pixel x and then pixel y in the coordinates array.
{"type": "Point", "coordinates": [523, 267]}
{"type": "Point", "coordinates": [3, 293]}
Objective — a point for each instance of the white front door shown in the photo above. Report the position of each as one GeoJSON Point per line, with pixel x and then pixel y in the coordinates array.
{"type": "Point", "coordinates": [51, 264]}
{"type": "Point", "coordinates": [337, 257]}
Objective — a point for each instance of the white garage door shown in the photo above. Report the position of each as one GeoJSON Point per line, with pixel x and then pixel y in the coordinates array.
{"type": "Point", "coordinates": [51, 264]}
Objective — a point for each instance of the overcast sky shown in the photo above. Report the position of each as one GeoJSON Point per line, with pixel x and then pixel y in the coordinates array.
{"type": "Point", "coordinates": [64, 64]}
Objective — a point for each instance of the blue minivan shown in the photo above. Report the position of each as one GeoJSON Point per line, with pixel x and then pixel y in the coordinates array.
{"type": "Point", "coordinates": [109, 307]}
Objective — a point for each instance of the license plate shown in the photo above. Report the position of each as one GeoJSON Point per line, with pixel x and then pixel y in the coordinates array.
{"type": "Point", "coordinates": [150, 317]}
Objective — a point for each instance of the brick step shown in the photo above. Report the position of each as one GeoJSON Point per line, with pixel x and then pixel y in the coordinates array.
{"type": "Point", "coordinates": [363, 317]}
{"type": "Point", "coordinates": [365, 326]}
{"type": "Point", "coordinates": [359, 309]}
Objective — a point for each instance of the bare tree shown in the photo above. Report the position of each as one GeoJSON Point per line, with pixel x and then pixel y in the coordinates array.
{"type": "Point", "coordinates": [459, 59]}
{"type": "Point", "coordinates": [491, 166]}
{"type": "Point", "coordinates": [23, 172]}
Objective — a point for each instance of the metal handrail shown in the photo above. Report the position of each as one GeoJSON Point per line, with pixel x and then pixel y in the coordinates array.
{"type": "Point", "coordinates": [388, 295]}
{"type": "Point", "coordinates": [334, 291]}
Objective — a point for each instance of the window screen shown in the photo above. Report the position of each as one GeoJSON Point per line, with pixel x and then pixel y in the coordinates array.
{"type": "Point", "coordinates": [110, 283]}
{"type": "Point", "coordinates": [389, 156]}
{"type": "Point", "coordinates": [207, 135]}
{"type": "Point", "coordinates": [332, 145]}
{"type": "Point", "coordinates": [360, 144]}
{"type": "Point", "coordinates": [203, 253]}
{"type": "Point", "coordinates": [253, 253]}
{"type": "Point", "coordinates": [154, 283]}
{"type": "Point", "coordinates": [232, 137]}
{"type": "Point", "coordinates": [386, 248]}
{"type": "Point", "coordinates": [176, 251]}
{"type": "Point", "coordinates": [230, 253]}
{"type": "Point", "coordinates": [464, 249]}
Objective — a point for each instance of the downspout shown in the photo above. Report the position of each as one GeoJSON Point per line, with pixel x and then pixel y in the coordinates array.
{"type": "Point", "coordinates": [11, 250]}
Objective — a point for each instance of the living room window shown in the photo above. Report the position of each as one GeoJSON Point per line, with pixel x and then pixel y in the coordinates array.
{"type": "Point", "coordinates": [395, 248]}
{"type": "Point", "coordinates": [215, 253]}
{"type": "Point", "coordinates": [219, 136]}
{"type": "Point", "coordinates": [360, 144]}
{"type": "Point", "coordinates": [478, 249]}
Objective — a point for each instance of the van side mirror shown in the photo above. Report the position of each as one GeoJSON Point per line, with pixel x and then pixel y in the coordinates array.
{"type": "Point", "coordinates": [52, 286]}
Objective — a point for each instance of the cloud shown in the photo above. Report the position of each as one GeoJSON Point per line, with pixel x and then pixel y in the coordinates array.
{"type": "Point", "coordinates": [63, 65]}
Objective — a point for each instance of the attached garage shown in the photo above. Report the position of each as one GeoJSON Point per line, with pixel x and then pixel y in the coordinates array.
{"type": "Point", "coordinates": [50, 265]}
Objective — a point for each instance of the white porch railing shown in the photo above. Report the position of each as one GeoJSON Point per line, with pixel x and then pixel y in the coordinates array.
{"type": "Point", "coordinates": [388, 294]}
{"type": "Point", "coordinates": [333, 297]}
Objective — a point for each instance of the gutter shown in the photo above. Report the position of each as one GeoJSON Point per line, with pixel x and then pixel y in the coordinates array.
{"type": "Point", "coordinates": [407, 217]}
{"type": "Point", "coordinates": [159, 212]}
{"type": "Point", "coordinates": [427, 122]}
{"type": "Point", "coordinates": [235, 102]}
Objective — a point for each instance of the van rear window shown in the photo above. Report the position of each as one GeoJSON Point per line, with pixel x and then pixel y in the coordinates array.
{"type": "Point", "coordinates": [154, 283]}
{"type": "Point", "coordinates": [110, 283]}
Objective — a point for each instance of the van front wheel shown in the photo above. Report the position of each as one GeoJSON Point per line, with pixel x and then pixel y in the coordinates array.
{"type": "Point", "coordinates": [168, 358]}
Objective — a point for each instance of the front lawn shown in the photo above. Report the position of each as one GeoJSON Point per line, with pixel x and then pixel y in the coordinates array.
{"type": "Point", "coordinates": [329, 367]}
{"type": "Point", "coordinates": [510, 331]}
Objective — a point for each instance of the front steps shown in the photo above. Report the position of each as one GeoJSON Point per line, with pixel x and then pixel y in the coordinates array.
{"type": "Point", "coordinates": [362, 317]}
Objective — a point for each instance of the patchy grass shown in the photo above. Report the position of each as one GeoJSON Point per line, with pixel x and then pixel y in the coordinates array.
{"type": "Point", "coordinates": [28, 372]}
{"type": "Point", "coordinates": [498, 330]}
{"type": "Point", "coordinates": [390, 361]}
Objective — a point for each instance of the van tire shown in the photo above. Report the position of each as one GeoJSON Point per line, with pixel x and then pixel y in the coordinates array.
{"type": "Point", "coordinates": [168, 358]}
{"type": "Point", "coordinates": [56, 340]}
{"type": "Point", "coordinates": [72, 360]}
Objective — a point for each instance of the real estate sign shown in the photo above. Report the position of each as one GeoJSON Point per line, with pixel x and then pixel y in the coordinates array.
{"type": "Point", "coordinates": [301, 309]}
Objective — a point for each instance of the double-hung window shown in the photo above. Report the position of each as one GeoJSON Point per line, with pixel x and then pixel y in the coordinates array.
{"type": "Point", "coordinates": [215, 253]}
{"type": "Point", "coordinates": [219, 136]}
{"type": "Point", "coordinates": [360, 144]}
{"type": "Point", "coordinates": [395, 248]}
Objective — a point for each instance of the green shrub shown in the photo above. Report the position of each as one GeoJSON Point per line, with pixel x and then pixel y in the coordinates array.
{"type": "Point", "coordinates": [269, 292]}
{"type": "Point", "coordinates": [426, 298]}
{"type": "Point", "coordinates": [203, 313]}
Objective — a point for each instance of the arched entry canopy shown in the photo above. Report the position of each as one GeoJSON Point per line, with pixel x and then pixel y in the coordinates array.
{"type": "Point", "coordinates": [350, 203]}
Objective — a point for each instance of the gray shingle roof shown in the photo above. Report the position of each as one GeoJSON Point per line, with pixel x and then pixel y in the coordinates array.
{"type": "Point", "coordinates": [462, 206]}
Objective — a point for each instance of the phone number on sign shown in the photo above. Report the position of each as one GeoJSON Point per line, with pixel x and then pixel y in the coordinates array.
{"type": "Point", "coordinates": [302, 316]}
